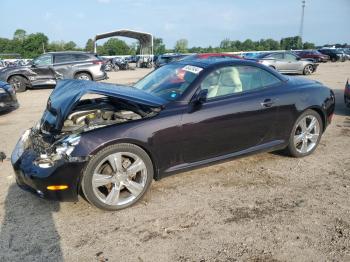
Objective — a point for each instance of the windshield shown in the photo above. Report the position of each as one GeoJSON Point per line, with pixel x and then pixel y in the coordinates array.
{"type": "Point", "coordinates": [170, 81]}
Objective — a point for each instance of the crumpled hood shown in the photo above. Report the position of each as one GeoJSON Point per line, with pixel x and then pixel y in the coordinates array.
{"type": "Point", "coordinates": [68, 92]}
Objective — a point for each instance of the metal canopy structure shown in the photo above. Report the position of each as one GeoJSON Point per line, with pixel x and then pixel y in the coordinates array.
{"type": "Point", "coordinates": [145, 39]}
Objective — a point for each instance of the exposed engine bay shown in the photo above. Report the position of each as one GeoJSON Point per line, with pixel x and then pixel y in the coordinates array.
{"type": "Point", "coordinates": [93, 113]}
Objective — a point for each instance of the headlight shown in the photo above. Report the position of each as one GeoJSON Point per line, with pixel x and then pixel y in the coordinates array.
{"type": "Point", "coordinates": [63, 147]}
{"type": "Point", "coordinates": [2, 91]}
{"type": "Point", "coordinates": [67, 145]}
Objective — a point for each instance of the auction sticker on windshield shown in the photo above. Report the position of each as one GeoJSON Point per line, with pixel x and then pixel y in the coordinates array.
{"type": "Point", "coordinates": [193, 69]}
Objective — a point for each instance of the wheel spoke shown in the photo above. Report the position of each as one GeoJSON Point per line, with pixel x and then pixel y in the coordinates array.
{"type": "Point", "coordinates": [312, 124]}
{"type": "Point", "coordinates": [101, 180]}
{"type": "Point", "coordinates": [115, 161]}
{"type": "Point", "coordinates": [133, 187]}
{"type": "Point", "coordinates": [298, 139]}
{"type": "Point", "coordinates": [303, 148]}
{"type": "Point", "coordinates": [113, 196]}
{"type": "Point", "coordinates": [313, 138]}
{"type": "Point", "coordinates": [137, 166]}
{"type": "Point", "coordinates": [302, 124]}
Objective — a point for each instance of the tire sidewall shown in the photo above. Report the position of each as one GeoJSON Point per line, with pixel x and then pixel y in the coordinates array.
{"type": "Point", "coordinates": [86, 181]}
{"type": "Point", "coordinates": [306, 72]}
{"type": "Point", "coordinates": [22, 82]}
{"type": "Point", "coordinates": [291, 147]}
{"type": "Point", "coordinates": [85, 74]}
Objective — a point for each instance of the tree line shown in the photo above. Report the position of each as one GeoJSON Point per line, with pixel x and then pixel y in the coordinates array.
{"type": "Point", "coordinates": [34, 44]}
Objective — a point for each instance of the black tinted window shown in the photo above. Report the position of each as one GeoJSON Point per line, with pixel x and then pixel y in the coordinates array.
{"type": "Point", "coordinates": [81, 57]}
{"type": "Point", "coordinates": [63, 58]}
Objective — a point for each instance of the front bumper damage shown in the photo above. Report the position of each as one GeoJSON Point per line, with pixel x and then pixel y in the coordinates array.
{"type": "Point", "coordinates": [36, 178]}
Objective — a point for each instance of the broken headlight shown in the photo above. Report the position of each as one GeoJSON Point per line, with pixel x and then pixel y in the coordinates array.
{"type": "Point", "coordinates": [67, 145]}
{"type": "Point", "coordinates": [62, 148]}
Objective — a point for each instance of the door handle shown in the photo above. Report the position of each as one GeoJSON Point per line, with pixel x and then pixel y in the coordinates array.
{"type": "Point", "coordinates": [267, 102]}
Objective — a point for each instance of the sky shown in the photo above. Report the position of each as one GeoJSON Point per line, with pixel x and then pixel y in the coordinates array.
{"type": "Point", "coordinates": [201, 22]}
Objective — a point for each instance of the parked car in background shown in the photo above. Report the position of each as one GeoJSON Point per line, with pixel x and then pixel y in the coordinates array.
{"type": "Point", "coordinates": [313, 54]}
{"type": "Point", "coordinates": [2, 64]}
{"type": "Point", "coordinates": [184, 115]}
{"type": "Point", "coordinates": [8, 99]}
{"type": "Point", "coordinates": [165, 59]}
{"type": "Point", "coordinates": [334, 54]}
{"type": "Point", "coordinates": [47, 68]}
{"type": "Point", "coordinates": [347, 93]}
{"type": "Point", "coordinates": [210, 56]}
{"type": "Point", "coordinates": [287, 63]}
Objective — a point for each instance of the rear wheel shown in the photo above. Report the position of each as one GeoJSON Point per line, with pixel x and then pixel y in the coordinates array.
{"type": "Point", "coordinates": [117, 177]}
{"type": "Point", "coordinates": [83, 76]}
{"type": "Point", "coordinates": [306, 134]}
{"type": "Point", "coordinates": [308, 69]}
{"type": "Point", "coordinates": [19, 83]}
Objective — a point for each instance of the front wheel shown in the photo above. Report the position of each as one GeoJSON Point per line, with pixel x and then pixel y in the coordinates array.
{"type": "Point", "coordinates": [117, 177]}
{"type": "Point", "coordinates": [19, 83]}
{"type": "Point", "coordinates": [306, 134]}
{"type": "Point", "coordinates": [308, 69]}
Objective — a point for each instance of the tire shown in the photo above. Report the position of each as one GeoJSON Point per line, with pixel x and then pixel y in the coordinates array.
{"type": "Point", "coordinates": [333, 59]}
{"type": "Point", "coordinates": [83, 76]}
{"type": "Point", "coordinates": [311, 137]}
{"type": "Point", "coordinates": [308, 69]}
{"type": "Point", "coordinates": [19, 83]}
{"type": "Point", "coordinates": [107, 187]}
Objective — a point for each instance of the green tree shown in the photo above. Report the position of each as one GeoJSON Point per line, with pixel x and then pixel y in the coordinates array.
{"type": "Point", "coordinates": [70, 46]}
{"type": "Point", "coordinates": [115, 46]}
{"type": "Point", "coordinates": [19, 35]}
{"type": "Point", "coordinates": [158, 46]}
{"type": "Point", "coordinates": [289, 43]}
{"type": "Point", "coordinates": [181, 46]}
{"type": "Point", "coordinates": [89, 47]}
{"type": "Point", "coordinates": [308, 45]}
{"type": "Point", "coordinates": [225, 44]}
{"type": "Point", "coordinates": [34, 45]}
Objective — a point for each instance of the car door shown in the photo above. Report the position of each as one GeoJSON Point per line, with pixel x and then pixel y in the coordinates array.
{"type": "Point", "coordinates": [278, 61]}
{"type": "Point", "coordinates": [43, 73]}
{"type": "Point", "coordinates": [63, 65]}
{"type": "Point", "coordinates": [238, 115]}
{"type": "Point", "coordinates": [292, 63]}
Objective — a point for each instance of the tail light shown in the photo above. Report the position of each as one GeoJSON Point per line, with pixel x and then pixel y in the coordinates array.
{"type": "Point", "coordinates": [97, 62]}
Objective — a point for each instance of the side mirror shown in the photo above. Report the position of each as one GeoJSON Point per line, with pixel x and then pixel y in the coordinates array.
{"type": "Point", "coordinates": [201, 96]}
{"type": "Point", "coordinates": [298, 58]}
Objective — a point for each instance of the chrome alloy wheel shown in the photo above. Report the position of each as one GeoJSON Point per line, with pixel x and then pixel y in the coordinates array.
{"type": "Point", "coordinates": [309, 69]}
{"type": "Point", "coordinates": [119, 178]}
{"type": "Point", "coordinates": [306, 134]}
{"type": "Point", "coordinates": [84, 77]}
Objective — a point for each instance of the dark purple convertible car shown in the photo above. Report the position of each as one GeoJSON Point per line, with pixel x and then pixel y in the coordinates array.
{"type": "Point", "coordinates": [109, 142]}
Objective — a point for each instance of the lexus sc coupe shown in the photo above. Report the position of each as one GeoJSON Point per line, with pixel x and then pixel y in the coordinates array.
{"type": "Point", "coordinates": [111, 144]}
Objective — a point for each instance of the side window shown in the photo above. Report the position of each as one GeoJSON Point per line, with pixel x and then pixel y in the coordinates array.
{"type": "Point", "coordinates": [81, 57]}
{"type": "Point", "coordinates": [289, 57]}
{"type": "Point", "coordinates": [278, 56]}
{"type": "Point", "coordinates": [63, 58]}
{"type": "Point", "coordinates": [237, 79]}
{"type": "Point", "coordinates": [43, 60]}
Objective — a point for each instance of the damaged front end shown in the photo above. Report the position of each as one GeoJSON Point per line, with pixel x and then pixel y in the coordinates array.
{"type": "Point", "coordinates": [44, 156]}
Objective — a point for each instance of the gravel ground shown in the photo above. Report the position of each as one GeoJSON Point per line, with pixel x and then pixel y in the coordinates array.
{"type": "Point", "coordinates": [266, 207]}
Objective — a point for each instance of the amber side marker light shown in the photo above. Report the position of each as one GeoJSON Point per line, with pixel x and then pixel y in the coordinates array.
{"type": "Point", "coordinates": [57, 187]}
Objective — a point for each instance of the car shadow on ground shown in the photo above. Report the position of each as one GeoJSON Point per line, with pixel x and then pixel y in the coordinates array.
{"type": "Point", "coordinates": [28, 231]}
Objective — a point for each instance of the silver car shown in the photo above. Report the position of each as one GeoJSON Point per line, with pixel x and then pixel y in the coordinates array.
{"type": "Point", "coordinates": [287, 63]}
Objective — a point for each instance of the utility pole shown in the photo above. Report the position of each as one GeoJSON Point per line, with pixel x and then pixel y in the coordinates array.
{"type": "Point", "coordinates": [302, 20]}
